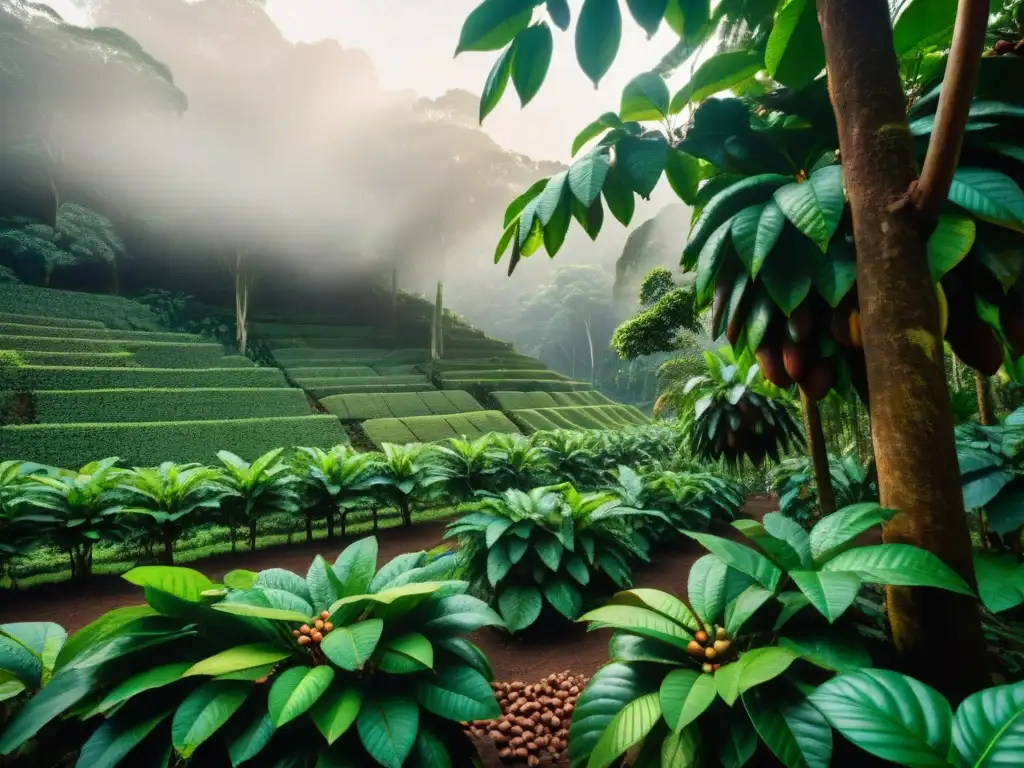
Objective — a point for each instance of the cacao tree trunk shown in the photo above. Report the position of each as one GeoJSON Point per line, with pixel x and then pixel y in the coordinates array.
{"type": "Point", "coordinates": [986, 413]}
{"type": "Point", "coordinates": [911, 416]}
{"type": "Point", "coordinates": [819, 454]}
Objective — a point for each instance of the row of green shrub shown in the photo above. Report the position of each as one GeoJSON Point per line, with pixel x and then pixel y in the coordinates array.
{"type": "Point", "coordinates": [514, 401]}
{"type": "Point", "coordinates": [486, 384]}
{"type": "Point", "coordinates": [59, 322]}
{"type": "Point", "coordinates": [78, 359]}
{"type": "Point", "coordinates": [362, 407]}
{"type": "Point", "coordinates": [161, 405]}
{"type": "Point", "coordinates": [150, 443]}
{"type": "Point", "coordinates": [533, 374]}
{"type": "Point", "coordinates": [332, 372]}
{"type": "Point", "coordinates": [111, 334]}
{"type": "Point", "coordinates": [579, 417]}
{"type": "Point", "coordinates": [32, 377]}
{"type": "Point", "coordinates": [432, 428]}
{"type": "Point", "coordinates": [150, 354]}
{"type": "Point", "coordinates": [62, 306]}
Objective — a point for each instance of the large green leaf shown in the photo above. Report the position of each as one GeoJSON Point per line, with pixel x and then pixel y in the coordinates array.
{"type": "Point", "coordinates": [519, 606]}
{"type": "Point", "coordinates": [322, 584]}
{"type": "Point", "coordinates": [595, 129]}
{"type": "Point", "coordinates": [408, 653]}
{"type": "Point", "coordinates": [252, 740]}
{"type": "Point", "coordinates": [738, 744]}
{"type": "Point", "coordinates": [275, 580]}
{"type": "Point", "coordinates": [791, 727]}
{"type": "Point", "coordinates": [719, 72]}
{"type": "Point", "coordinates": [949, 243]}
{"type": "Point", "coordinates": [204, 711]}
{"type": "Point", "coordinates": [742, 558]}
{"type": "Point", "coordinates": [815, 206]}
{"type": "Point", "coordinates": [725, 204]}
{"type": "Point", "coordinates": [558, 10]}
{"type": "Point", "coordinates": [889, 715]}
{"type": "Point", "coordinates": [763, 664]}
{"type": "Point", "coordinates": [44, 639]}
{"type": "Point", "coordinates": [834, 275]}
{"type": "Point", "coordinates": [727, 681]}
{"type": "Point", "coordinates": [495, 84]}
{"type": "Point", "coordinates": [20, 661]}
{"type": "Point", "coordinates": [769, 228]}
{"type": "Point", "coordinates": [598, 34]}
{"type": "Point", "coordinates": [642, 160]}
{"type": "Point", "coordinates": [795, 54]}
{"type": "Point", "coordinates": [661, 602]}
{"type": "Point", "coordinates": [833, 532]}
{"type": "Point", "coordinates": [335, 711]}
{"type": "Point", "coordinates": [618, 195]}
{"type": "Point", "coordinates": [705, 587]}
{"type": "Point", "coordinates": [458, 693]}
{"type": "Point", "coordinates": [115, 739]}
{"type": "Point", "coordinates": [685, 696]}
{"type": "Point", "coordinates": [684, 174]}
{"type": "Point", "coordinates": [990, 195]}
{"type": "Point", "coordinates": [183, 583]}
{"type": "Point", "coordinates": [640, 621]}
{"type": "Point", "coordinates": [1000, 580]}
{"type": "Point", "coordinates": [645, 97]}
{"type": "Point", "coordinates": [457, 615]}
{"type": "Point", "coordinates": [744, 233]}
{"type": "Point", "coordinates": [900, 565]}
{"type": "Point", "coordinates": [831, 593]}
{"type": "Point", "coordinates": [835, 652]}
{"type": "Point", "coordinates": [350, 647]}
{"type": "Point", "coordinates": [647, 13]}
{"type": "Point", "coordinates": [740, 610]}
{"type": "Point", "coordinates": [563, 596]}
{"type": "Point", "coordinates": [547, 204]}
{"type": "Point", "coordinates": [239, 657]}
{"type": "Point", "coordinates": [147, 680]}
{"type": "Point", "coordinates": [923, 24]}
{"type": "Point", "coordinates": [494, 23]}
{"type": "Point", "coordinates": [262, 612]}
{"type": "Point", "coordinates": [533, 49]}
{"type": "Point", "coordinates": [431, 751]}
{"type": "Point", "coordinates": [780, 551]}
{"type": "Point", "coordinates": [296, 690]}
{"type": "Point", "coordinates": [988, 728]}
{"type": "Point", "coordinates": [387, 726]}
{"type": "Point", "coordinates": [356, 564]}
{"type": "Point", "coordinates": [587, 175]}
{"type": "Point", "coordinates": [710, 260]}
{"type": "Point", "coordinates": [611, 688]}
{"type": "Point", "coordinates": [94, 633]}
{"type": "Point", "coordinates": [786, 273]}
{"type": "Point", "coordinates": [498, 563]}
{"type": "Point", "coordinates": [66, 689]}
{"type": "Point", "coordinates": [627, 728]}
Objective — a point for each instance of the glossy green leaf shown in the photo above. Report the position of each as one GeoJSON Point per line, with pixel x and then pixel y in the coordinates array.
{"type": "Point", "coordinates": [769, 228]}
{"type": "Point", "coordinates": [458, 693]}
{"type": "Point", "coordinates": [335, 711]}
{"type": "Point", "coordinates": [183, 583]}
{"type": "Point", "coordinates": [647, 13]}
{"type": "Point", "coordinates": [727, 681]}
{"type": "Point", "coordinates": [563, 596]}
{"type": "Point", "coordinates": [587, 175]}
{"type": "Point", "coordinates": [147, 680]}
{"type": "Point", "coordinates": [645, 97]}
{"type": "Point", "coordinates": [815, 206]}
{"type": "Point", "coordinates": [795, 54]}
{"type": "Point", "coordinates": [96, 631]}
{"type": "Point", "coordinates": [949, 244]}
{"type": "Point", "coordinates": [252, 740]}
{"type": "Point", "coordinates": [901, 565]}
{"type": "Point", "coordinates": [204, 711]}
{"type": "Point", "coordinates": [115, 739]}
{"type": "Point", "coordinates": [547, 204]}
{"type": "Point", "coordinates": [63, 691]}
{"type": "Point", "coordinates": [788, 530]}
{"type": "Point", "coordinates": [238, 657]}
{"type": "Point", "coordinates": [387, 727]}
{"type": "Point", "coordinates": [512, 213]}
{"type": "Point", "coordinates": [350, 647]}
{"type": "Point", "coordinates": [356, 564]}
{"type": "Point", "coordinates": [533, 49]}
{"type": "Point", "coordinates": [1000, 580]}
{"type": "Point", "coordinates": [519, 606]}
{"type": "Point", "coordinates": [831, 593]}
{"type": "Point", "coordinates": [498, 564]}
{"type": "Point", "coordinates": [640, 621]}
{"type": "Point", "coordinates": [792, 728]}
{"type": "Point", "coordinates": [744, 233]}
{"type": "Point", "coordinates": [742, 558]}
{"type": "Point", "coordinates": [834, 275]}
{"type": "Point", "coordinates": [760, 318]}
{"type": "Point", "coordinates": [889, 715]}
{"type": "Point", "coordinates": [988, 728]}
{"type": "Point", "coordinates": [685, 696]}
{"type": "Point", "coordinates": [603, 123]}
{"type": "Point", "coordinates": [834, 652]}
{"type": "Point", "coordinates": [598, 34]}
{"type": "Point", "coordinates": [492, 24]}
{"type": "Point", "coordinates": [781, 552]}
{"type": "Point", "coordinates": [684, 175]}
{"type": "Point", "coordinates": [739, 743]}
{"type": "Point", "coordinates": [660, 602]}
{"type": "Point", "coordinates": [740, 610]}
{"type": "Point", "coordinates": [627, 728]}
{"type": "Point", "coordinates": [719, 72]}
{"type": "Point", "coordinates": [431, 751]}
{"type": "Point", "coordinates": [763, 664]}
{"type": "Point", "coordinates": [297, 689]}
{"type": "Point", "coordinates": [619, 196]}
{"type": "Point", "coordinates": [611, 688]}
{"type": "Point", "coordinates": [558, 10]}
{"type": "Point", "coordinates": [786, 274]}
{"type": "Point", "coordinates": [408, 653]}
{"type": "Point", "coordinates": [496, 82]}
{"type": "Point", "coordinates": [260, 612]}
{"type": "Point", "coordinates": [710, 261]}
{"type": "Point", "coordinates": [990, 195]}
{"type": "Point", "coordinates": [834, 532]}
{"type": "Point", "coordinates": [705, 587]}
{"type": "Point", "coordinates": [923, 24]}
{"type": "Point", "coordinates": [642, 161]}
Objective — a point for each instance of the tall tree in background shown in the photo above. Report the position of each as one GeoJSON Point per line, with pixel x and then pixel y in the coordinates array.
{"type": "Point", "coordinates": [836, 273]}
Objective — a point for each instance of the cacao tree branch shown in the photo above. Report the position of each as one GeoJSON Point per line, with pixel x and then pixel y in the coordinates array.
{"type": "Point", "coordinates": [958, 86]}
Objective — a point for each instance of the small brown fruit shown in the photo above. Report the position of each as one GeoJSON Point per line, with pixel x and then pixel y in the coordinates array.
{"type": "Point", "coordinates": [295, 633]}
{"type": "Point", "coordinates": [708, 668]}
{"type": "Point", "coordinates": [319, 623]}
{"type": "Point", "coordinates": [721, 634]}
{"type": "Point", "coordinates": [769, 360]}
{"type": "Point", "coordinates": [505, 753]}
{"type": "Point", "coordinates": [722, 646]}
{"type": "Point", "coordinates": [522, 752]}
{"type": "Point", "coordinates": [710, 653]}
{"type": "Point", "coordinates": [796, 358]}
{"type": "Point", "coordinates": [700, 636]}
{"type": "Point", "coordinates": [324, 615]}
{"type": "Point", "coordinates": [317, 637]}
{"type": "Point", "coordinates": [328, 627]}
{"type": "Point", "coordinates": [695, 649]}
{"type": "Point", "coordinates": [305, 640]}
{"type": "Point", "coordinates": [304, 629]}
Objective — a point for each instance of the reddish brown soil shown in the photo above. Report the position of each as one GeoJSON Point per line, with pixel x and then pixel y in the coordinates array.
{"type": "Point", "coordinates": [530, 660]}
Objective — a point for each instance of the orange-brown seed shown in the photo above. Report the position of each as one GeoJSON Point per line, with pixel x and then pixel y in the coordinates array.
{"type": "Point", "coordinates": [328, 626]}
{"type": "Point", "coordinates": [324, 615]}
{"type": "Point", "coordinates": [317, 637]}
{"type": "Point", "coordinates": [319, 623]}
{"type": "Point", "coordinates": [305, 640]}
{"type": "Point", "coordinates": [700, 636]}
{"type": "Point", "coordinates": [304, 629]}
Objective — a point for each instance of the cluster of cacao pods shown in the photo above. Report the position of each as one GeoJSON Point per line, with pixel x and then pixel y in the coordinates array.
{"type": "Point", "coordinates": [712, 649]}
{"type": "Point", "coordinates": [972, 339]}
{"type": "Point", "coordinates": [534, 725]}
{"type": "Point", "coordinates": [314, 631]}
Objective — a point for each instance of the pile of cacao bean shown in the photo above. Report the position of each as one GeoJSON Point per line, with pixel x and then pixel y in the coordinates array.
{"type": "Point", "coordinates": [534, 726]}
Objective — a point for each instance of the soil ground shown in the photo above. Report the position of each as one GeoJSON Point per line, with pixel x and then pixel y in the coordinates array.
{"type": "Point", "coordinates": [575, 650]}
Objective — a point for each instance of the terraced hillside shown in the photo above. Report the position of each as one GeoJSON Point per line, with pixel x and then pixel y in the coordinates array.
{"type": "Point", "coordinates": [80, 383]}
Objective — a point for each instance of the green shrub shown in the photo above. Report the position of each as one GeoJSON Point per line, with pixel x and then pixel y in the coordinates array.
{"type": "Point", "coordinates": [387, 431]}
{"type": "Point", "coordinates": [112, 334]}
{"type": "Point", "coordinates": [79, 359]}
{"type": "Point", "coordinates": [110, 311]}
{"type": "Point", "coordinates": [60, 322]}
{"type": "Point", "coordinates": [140, 405]}
{"type": "Point", "coordinates": [461, 402]}
{"type": "Point", "coordinates": [357, 407]}
{"type": "Point", "coordinates": [551, 544]}
{"type": "Point", "coordinates": [349, 664]}
{"type": "Point", "coordinates": [584, 397]}
{"type": "Point", "coordinates": [322, 391]}
{"type": "Point", "coordinates": [505, 362]}
{"type": "Point", "coordinates": [235, 361]}
{"type": "Point", "coordinates": [32, 377]}
{"type": "Point", "coordinates": [760, 632]}
{"type": "Point", "coordinates": [398, 370]}
{"type": "Point", "coordinates": [583, 417]}
{"type": "Point", "coordinates": [532, 421]}
{"type": "Point", "coordinates": [517, 401]}
{"type": "Point", "coordinates": [149, 444]}
{"type": "Point", "coordinates": [331, 372]}
{"type": "Point", "coordinates": [316, 382]}
{"type": "Point", "coordinates": [10, 358]}
{"type": "Point", "coordinates": [428, 429]}
{"type": "Point", "coordinates": [149, 354]}
{"type": "Point", "coordinates": [486, 385]}
{"type": "Point", "coordinates": [533, 374]}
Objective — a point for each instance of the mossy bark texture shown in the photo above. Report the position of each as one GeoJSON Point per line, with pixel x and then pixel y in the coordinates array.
{"type": "Point", "coordinates": [986, 414]}
{"type": "Point", "coordinates": [911, 416]}
{"type": "Point", "coordinates": [817, 449]}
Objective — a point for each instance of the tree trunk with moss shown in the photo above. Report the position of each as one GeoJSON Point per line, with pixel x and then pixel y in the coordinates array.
{"type": "Point", "coordinates": [986, 413]}
{"type": "Point", "coordinates": [911, 417]}
{"type": "Point", "coordinates": [818, 452]}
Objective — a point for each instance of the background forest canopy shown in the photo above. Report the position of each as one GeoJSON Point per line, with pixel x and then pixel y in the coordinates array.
{"type": "Point", "coordinates": [175, 137]}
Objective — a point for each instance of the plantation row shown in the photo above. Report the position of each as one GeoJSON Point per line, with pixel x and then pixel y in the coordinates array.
{"type": "Point", "coordinates": [152, 508]}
